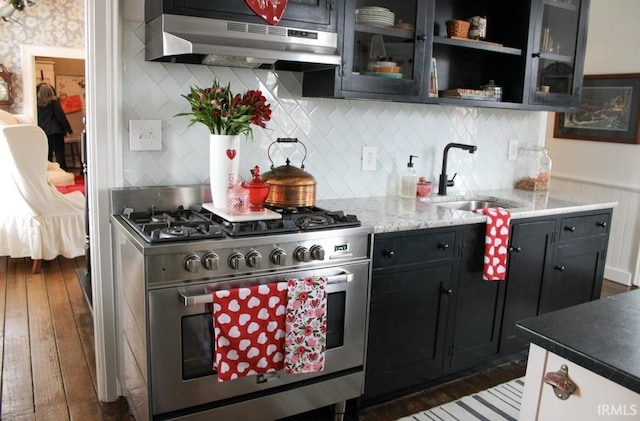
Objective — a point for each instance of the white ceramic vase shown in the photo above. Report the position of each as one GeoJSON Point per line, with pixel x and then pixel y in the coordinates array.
{"type": "Point", "coordinates": [224, 162]}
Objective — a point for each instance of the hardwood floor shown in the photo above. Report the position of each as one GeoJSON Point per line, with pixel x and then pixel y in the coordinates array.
{"type": "Point", "coordinates": [47, 355]}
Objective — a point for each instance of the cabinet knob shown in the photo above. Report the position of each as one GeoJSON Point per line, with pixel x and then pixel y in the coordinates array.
{"type": "Point", "coordinates": [560, 268]}
{"type": "Point", "coordinates": [388, 253]}
{"type": "Point", "coordinates": [516, 249]}
{"type": "Point", "coordinates": [535, 55]}
{"type": "Point", "coordinates": [570, 229]}
{"type": "Point", "coordinates": [443, 246]}
{"type": "Point", "coordinates": [562, 385]}
{"type": "Point", "coordinates": [447, 291]}
{"type": "Point", "coordinates": [422, 37]}
{"type": "Point", "coordinates": [602, 224]}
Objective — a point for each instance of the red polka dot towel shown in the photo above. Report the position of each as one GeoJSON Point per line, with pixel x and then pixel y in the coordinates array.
{"type": "Point", "coordinates": [496, 240]}
{"type": "Point", "coordinates": [249, 330]}
{"type": "Point", "coordinates": [306, 325]}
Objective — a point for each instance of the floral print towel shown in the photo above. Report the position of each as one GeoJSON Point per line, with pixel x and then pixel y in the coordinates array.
{"type": "Point", "coordinates": [249, 330]}
{"type": "Point", "coordinates": [496, 240]}
{"type": "Point", "coordinates": [306, 325]}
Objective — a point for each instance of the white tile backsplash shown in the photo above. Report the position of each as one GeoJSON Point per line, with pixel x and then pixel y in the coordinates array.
{"type": "Point", "coordinates": [332, 130]}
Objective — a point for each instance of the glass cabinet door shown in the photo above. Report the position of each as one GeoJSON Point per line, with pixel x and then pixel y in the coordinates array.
{"type": "Point", "coordinates": [385, 48]}
{"type": "Point", "coordinates": [558, 52]}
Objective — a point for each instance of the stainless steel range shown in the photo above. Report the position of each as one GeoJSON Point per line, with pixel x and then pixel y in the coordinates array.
{"type": "Point", "coordinates": [170, 253]}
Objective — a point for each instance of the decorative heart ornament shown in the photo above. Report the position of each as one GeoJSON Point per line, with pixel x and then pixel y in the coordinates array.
{"type": "Point", "coordinates": [231, 153]}
{"type": "Point", "coordinates": [269, 10]}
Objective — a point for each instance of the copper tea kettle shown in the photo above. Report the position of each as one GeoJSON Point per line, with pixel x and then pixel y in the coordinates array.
{"type": "Point", "coordinates": [290, 186]}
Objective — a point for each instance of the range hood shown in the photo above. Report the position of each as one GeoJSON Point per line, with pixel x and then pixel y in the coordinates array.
{"type": "Point", "coordinates": [190, 39]}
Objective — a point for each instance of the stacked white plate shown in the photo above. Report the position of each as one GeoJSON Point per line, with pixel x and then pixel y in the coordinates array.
{"type": "Point", "coordinates": [378, 16]}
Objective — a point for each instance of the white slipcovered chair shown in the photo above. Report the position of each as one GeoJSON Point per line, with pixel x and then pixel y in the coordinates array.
{"type": "Point", "coordinates": [36, 220]}
{"type": "Point", "coordinates": [56, 175]}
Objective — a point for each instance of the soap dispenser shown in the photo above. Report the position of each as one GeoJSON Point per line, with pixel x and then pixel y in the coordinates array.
{"type": "Point", "coordinates": [408, 180]}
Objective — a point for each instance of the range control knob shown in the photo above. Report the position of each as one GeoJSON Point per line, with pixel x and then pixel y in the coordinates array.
{"type": "Point", "coordinates": [192, 263]}
{"type": "Point", "coordinates": [236, 261]}
{"type": "Point", "coordinates": [317, 252]}
{"type": "Point", "coordinates": [210, 261]}
{"type": "Point", "coordinates": [278, 257]}
{"type": "Point", "coordinates": [254, 259]}
{"type": "Point", "coordinates": [302, 254]}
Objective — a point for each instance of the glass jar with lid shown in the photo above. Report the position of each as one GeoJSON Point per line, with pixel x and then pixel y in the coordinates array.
{"type": "Point", "coordinates": [533, 168]}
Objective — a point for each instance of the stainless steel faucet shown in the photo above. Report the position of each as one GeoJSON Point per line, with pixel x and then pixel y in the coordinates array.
{"type": "Point", "coordinates": [444, 181]}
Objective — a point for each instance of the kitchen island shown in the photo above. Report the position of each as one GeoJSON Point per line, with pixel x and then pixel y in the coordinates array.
{"type": "Point", "coordinates": [599, 343]}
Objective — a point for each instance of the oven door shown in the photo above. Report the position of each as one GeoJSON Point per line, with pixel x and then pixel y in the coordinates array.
{"type": "Point", "coordinates": [181, 342]}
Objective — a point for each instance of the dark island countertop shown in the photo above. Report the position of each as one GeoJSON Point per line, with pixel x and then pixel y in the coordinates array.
{"type": "Point", "coordinates": [602, 336]}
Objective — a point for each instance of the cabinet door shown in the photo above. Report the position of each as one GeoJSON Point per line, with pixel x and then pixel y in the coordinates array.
{"type": "Point", "coordinates": [320, 13]}
{"type": "Point", "coordinates": [559, 32]}
{"type": "Point", "coordinates": [406, 328]}
{"type": "Point", "coordinates": [372, 37]}
{"type": "Point", "coordinates": [529, 255]}
{"type": "Point", "coordinates": [576, 276]}
{"type": "Point", "coordinates": [477, 312]}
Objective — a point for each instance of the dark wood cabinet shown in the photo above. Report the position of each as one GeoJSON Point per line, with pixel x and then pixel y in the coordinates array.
{"type": "Point", "coordinates": [578, 264]}
{"type": "Point", "coordinates": [554, 263]}
{"type": "Point", "coordinates": [511, 54]}
{"type": "Point", "coordinates": [411, 289]}
{"type": "Point", "coordinates": [316, 14]}
{"type": "Point", "coordinates": [530, 252]}
{"type": "Point", "coordinates": [476, 311]}
{"type": "Point", "coordinates": [406, 328]}
{"type": "Point", "coordinates": [432, 314]}
{"type": "Point", "coordinates": [557, 49]}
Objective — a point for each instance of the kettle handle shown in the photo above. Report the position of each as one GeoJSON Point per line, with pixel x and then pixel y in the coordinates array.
{"type": "Point", "coordinates": [287, 140]}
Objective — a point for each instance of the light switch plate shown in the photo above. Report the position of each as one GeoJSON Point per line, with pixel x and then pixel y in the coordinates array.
{"type": "Point", "coordinates": [145, 135]}
{"type": "Point", "coordinates": [369, 158]}
{"type": "Point", "coordinates": [512, 155]}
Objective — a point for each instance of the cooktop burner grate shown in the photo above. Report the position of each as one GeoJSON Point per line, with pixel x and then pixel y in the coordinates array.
{"type": "Point", "coordinates": [172, 225]}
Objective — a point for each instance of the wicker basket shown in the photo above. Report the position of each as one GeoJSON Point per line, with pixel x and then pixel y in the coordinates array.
{"type": "Point", "coordinates": [458, 28]}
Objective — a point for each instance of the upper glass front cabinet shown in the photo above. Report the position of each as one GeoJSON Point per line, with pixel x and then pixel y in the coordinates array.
{"type": "Point", "coordinates": [558, 38]}
{"type": "Point", "coordinates": [383, 45]}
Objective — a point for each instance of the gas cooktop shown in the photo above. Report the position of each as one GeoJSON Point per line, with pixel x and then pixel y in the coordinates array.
{"type": "Point", "coordinates": [195, 223]}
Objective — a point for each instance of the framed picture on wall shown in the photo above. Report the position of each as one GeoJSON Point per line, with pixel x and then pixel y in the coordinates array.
{"type": "Point", "coordinates": [609, 110]}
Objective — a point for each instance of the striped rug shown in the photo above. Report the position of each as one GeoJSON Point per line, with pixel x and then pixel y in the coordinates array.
{"type": "Point", "coordinates": [501, 402]}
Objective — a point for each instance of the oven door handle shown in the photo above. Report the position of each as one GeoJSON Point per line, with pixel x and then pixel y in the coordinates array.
{"type": "Point", "coordinates": [194, 300]}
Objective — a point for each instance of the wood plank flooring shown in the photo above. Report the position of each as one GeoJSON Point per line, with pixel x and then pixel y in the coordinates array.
{"type": "Point", "coordinates": [47, 354]}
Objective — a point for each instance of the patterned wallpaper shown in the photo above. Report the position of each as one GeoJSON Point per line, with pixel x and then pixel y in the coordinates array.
{"type": "Point", "coordinates": [58, 23]}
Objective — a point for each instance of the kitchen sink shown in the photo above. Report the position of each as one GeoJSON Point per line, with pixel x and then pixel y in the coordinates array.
{"type": "Point", "coordinates": [471, 205]}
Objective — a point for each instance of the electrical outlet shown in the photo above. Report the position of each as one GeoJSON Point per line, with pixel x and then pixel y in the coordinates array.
{"type": "Point", "coordinates": [512, 155]}
{"type": "Point", "coordinates": [145, 135]}
{"type": "Point", "coordinates": [369, 158]}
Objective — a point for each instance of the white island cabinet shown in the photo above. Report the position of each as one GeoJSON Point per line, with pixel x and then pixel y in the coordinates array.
{"type": "Point", "coordinates": [595, 397]}
{"type": "Point", "coordinates": [597, 346]}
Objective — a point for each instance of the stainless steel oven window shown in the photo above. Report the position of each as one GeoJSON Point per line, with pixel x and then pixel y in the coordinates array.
{"type": "Point", "coordinates": [198, 345]}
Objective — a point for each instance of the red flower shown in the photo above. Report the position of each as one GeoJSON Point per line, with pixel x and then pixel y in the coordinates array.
{"type": "Point", "coordinates": [225, 113]}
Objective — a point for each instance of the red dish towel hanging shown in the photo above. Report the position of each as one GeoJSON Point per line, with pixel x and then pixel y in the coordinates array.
{"type": "Point", "coordinates": [249, 330]}
{"type": "Point", "coordinates": [306, 325]}
{"type": "Point", "coordinates": [269, 10]}
{"type": "Point", "coordinates": [496, 243]}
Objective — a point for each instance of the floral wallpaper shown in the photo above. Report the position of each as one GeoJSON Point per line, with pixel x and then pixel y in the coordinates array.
{"type": "Point", "coordinates": [58, 23]}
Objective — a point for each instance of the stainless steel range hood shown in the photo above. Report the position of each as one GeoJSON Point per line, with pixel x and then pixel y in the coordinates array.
{"type": "Point", "coordinates": [188, 39]}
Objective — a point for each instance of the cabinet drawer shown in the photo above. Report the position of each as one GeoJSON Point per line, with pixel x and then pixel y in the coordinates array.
{"type": "Point", "coordinates": [584, 226]}
{"type": "Point", "coordinates": [413, 249]}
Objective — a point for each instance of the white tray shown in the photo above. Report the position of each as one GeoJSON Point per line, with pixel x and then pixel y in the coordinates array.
{"type": "Point", "coordinates": [250, 216]}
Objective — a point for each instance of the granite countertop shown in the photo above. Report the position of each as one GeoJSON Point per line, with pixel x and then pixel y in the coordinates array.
{"type": "Point", "coordinates": [602, 336]}
{"type": "Point", "coordinates": [388, 214]}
